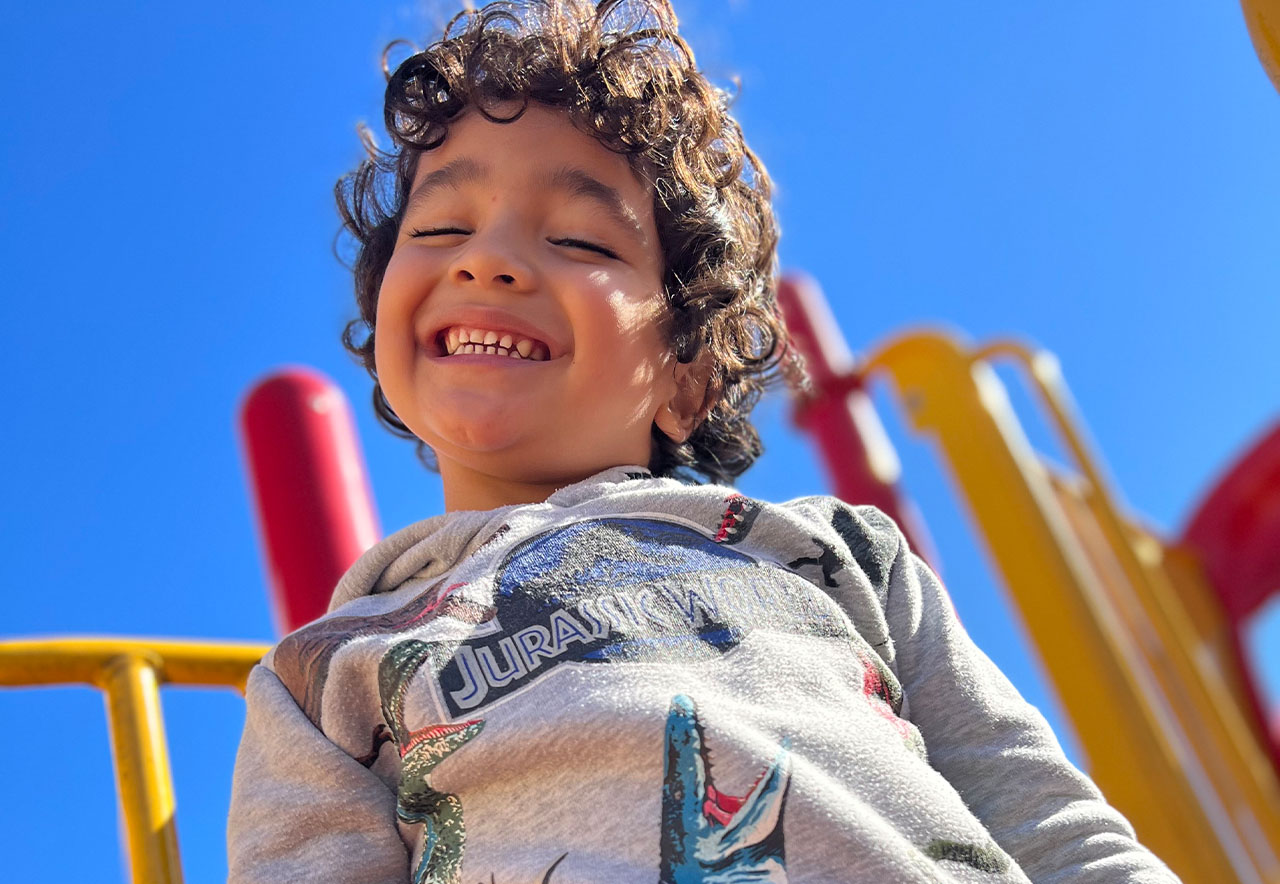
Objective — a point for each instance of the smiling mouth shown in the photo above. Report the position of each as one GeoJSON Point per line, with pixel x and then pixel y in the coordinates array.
{"type": "Point", "coordinates": [460, 340]}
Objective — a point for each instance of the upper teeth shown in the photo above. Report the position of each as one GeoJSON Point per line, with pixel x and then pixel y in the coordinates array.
{"type": "Point", "coordinates": [479, 340]}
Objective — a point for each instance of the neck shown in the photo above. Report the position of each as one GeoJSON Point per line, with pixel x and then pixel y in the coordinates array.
{"type": "Point", "coordinates": [467, 489]}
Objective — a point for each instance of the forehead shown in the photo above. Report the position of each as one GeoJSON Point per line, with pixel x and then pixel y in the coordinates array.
{"type": "Point", "coordinates": [541, 152]}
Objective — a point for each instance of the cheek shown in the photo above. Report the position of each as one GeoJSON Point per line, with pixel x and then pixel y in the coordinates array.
{"type": "Point", "coordinates": [393, 336]}
{"type": "Point", "coordinates": [636, 325]}
{"type": "Point", "coordinates": [384, 329]}
{"type": "Point", "coordinates": [394, 288]}
{"type": "Point", "coordinates": [629, 353]}
{"type": "Point", "coordinates": [380, 363]}
{"type": "Point", "coordinates": [399, 297]}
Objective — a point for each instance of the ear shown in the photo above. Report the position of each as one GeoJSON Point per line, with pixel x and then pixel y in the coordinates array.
{"type": "Point", "coordinates": [693, 400]}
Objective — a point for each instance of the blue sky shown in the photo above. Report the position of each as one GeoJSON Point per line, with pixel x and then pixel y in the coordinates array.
{"type": "Point", "coordinates": [1097, 177]}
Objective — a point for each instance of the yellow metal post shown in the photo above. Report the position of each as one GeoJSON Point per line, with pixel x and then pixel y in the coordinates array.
{"type": "Point", "coordinates": [1124, 708]}
{"type": "Point", "coordinates": [142, 768]}
{"type": "Point", "coordinates": [129, 672]}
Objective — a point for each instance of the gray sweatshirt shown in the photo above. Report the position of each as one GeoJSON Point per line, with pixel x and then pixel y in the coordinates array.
{"type": "Point", "coordinates": [641, 680]}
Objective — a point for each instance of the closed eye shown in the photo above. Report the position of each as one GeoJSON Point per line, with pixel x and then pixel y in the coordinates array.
{"type": "Point", "coordinates": [583, 244]}
{"type": "Point", "coordinates": [439, 231]}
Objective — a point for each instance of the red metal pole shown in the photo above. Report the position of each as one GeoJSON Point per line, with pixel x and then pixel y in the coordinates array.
{"type": "Point", "coordinates": [1235, 533]}
{"type": "Point", "coordinates": [310, 487]}
{"type": "Point", "coordinates": [840, 416]}
{"type": "Point", "coordinates": [1236, 529]}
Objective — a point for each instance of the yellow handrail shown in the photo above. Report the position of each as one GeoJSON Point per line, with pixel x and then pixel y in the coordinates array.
{"type": "Point", "coordinates": [1140, 682]}
{"type": "Point", "coordinates": [129, 672]}
{"type": "Point", "coordinates": [1216, 705]}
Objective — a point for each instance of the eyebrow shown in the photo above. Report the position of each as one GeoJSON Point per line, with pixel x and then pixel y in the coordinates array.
{"type": "Point", "coordinates": [576, 183]}
{"type": "Point", "coordinates": [580, 185]}
{"type": "Point", "coordinates": [452, 175]}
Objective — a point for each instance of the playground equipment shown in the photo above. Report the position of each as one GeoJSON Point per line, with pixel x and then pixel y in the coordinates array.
{"type": "Point", "coordinates": [315, 509]}
{"type": "Point", "coordinates": [130, 672]}
{"type": "Point", "coordinates": [1140, 635]}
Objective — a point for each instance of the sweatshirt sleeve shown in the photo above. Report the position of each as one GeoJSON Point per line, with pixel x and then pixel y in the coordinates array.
{"type": "Point", "coordinates": [994, 748]}
{"type": "Point", "coordinates": [302, 809]}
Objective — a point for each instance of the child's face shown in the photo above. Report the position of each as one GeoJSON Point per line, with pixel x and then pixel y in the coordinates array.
{"type": "Point", "coordinates": [534, 233]}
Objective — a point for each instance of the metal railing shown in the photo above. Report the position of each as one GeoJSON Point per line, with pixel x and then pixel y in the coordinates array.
{"type": "Point", "coordinates": [1127, 633]}
{"type": "Point", "coordinates": [130, 672]}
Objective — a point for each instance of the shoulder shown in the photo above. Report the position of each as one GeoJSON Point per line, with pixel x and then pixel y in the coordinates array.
{"type": "Point", "coordinates": [865, 533]}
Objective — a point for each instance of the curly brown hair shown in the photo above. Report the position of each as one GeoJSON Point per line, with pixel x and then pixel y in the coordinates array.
{"type": "Point", "coordinates": [623, 75]}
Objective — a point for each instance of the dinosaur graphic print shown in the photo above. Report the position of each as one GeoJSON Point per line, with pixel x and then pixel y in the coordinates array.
{"type": "Point", "coordinates": [883, 694]}
{"type": "Point", "coordinates": [421, 751]}
{"type": "Point", "coordinates": [983, 857]}
{"type": "Point", "coordinates": [739, 515]}
{"type": "Point", "coordinates": [440, 813]}
{"type": "Point", "coordinates": [708, 836]}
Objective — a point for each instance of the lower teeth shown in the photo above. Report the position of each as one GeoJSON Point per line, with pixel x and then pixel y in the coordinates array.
{"type": "Point", "coordinates": [480, 349]}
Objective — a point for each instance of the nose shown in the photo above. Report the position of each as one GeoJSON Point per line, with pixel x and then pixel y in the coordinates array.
{"type": "Point", "coordinates": [494, 259]}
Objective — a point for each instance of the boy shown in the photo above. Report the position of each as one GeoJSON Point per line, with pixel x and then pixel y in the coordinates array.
{"type": "Point", "coordinates": [587, 670]}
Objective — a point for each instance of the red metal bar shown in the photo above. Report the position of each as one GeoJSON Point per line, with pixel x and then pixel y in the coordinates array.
{"type": "Point", "coordinates": [310, 487]}
{"type": "Point", "coordinates": [1235, 532]}
{"type": "Point", "coordinates": [840, 416]}
{"type": "Point", "coordinates": [1236, 529]}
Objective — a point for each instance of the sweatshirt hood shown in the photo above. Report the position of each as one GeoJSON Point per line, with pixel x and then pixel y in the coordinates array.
{"type": "Point", "coordinates": [429, 548]}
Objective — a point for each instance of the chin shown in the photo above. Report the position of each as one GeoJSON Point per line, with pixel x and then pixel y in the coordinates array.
{"type": "Point", "coordinates": [470, 423]}
{"type": "Point", "coordinates": [475, 440]}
